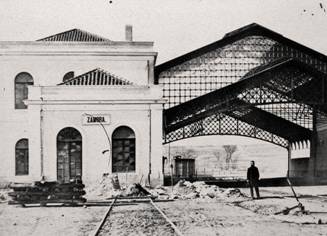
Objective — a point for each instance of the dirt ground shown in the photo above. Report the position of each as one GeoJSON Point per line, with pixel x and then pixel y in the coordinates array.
{"type": "Point", "coordinates": [138, 219]}
{"type": "Point", "coordinates": [217, 216]}
{"type": "Point", "coordinates": [15, 220]}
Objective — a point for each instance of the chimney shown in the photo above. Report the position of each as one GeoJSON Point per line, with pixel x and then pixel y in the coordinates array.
{"type": "Point", "coordinates": [129, 33]}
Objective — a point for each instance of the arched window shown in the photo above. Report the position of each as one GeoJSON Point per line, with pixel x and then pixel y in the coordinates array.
{"type": "Point", "coordinates": [22, 80]}
{"type": "Point", "coordinates": [123, 150]}
{"type": "Point", "coordinates": [68, 76]}
{"type": "Point", "coordinates": [21, 157]}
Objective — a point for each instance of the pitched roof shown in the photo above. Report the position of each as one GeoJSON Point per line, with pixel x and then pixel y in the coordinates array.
{"type": "Point", "coordinates": [248, 30]}
{"type": "Point", "coordinates": [75, 35]}
{"type": "Point", "coordinates": [96, 77]}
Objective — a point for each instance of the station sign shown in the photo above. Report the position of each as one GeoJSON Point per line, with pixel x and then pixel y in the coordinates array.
{"type": "Point", "coordinates": [96, 119]}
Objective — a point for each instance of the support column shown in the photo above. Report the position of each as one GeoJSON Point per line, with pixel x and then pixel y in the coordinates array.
{"type": "Point", "coordinates": [41, 143]}
{"type": "Point", "coordinates": [289, 148]}
{"type": "Point", "coordinates": [313, 146]}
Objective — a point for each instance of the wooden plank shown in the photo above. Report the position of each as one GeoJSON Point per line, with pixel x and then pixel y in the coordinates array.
{"type": "Point", "coordinates": [44, 202]}
{"type": "Point", "coordinates": [130, 197]}
{"type": "Point", "coordinates": [120, 200]}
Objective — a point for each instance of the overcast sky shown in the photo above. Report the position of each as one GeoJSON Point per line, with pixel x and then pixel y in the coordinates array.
{"type": "Point", "coordinates": [175, 26]}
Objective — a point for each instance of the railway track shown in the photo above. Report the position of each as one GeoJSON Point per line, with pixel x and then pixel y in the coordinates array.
{"type": "Point", "coordinates": [137, 216]}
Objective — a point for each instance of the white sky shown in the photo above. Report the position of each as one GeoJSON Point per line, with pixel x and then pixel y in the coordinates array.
{"type": "Point", "coordinates": [176, 26]}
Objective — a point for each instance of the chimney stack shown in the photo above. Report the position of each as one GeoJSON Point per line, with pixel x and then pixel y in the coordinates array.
{"type": "Point", "coordinates": [129, 33]}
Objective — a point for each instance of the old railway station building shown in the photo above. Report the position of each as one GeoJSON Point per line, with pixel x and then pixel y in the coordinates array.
{"type": "Point", "coordinates": [77, 105]}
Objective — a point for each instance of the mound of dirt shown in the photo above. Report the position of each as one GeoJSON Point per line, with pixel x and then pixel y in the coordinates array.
{"type": "Point", "coordinates": [159, 192]}
{"type": "Point", "coordinates": [187, 190]}
{"type": "Point", "coordinates": [233, 192]}
{"type": "Point", "coordinates": [135, 190]}
{"type": "Point", "coordinates": [182, 190]}
{"type": "Point", "coordinates": [109, 187]}
{"type": "Point", "coordinates": [106, 188]}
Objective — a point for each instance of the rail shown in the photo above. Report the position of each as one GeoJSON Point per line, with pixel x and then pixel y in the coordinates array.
{"type": "Point", "coordinates": [135, 200]}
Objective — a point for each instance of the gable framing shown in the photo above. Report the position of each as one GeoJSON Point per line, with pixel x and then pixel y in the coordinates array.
{"type": "Point", "coordinates": [239, 55]}
{"type": "Point", "coordinates": [253, 29]}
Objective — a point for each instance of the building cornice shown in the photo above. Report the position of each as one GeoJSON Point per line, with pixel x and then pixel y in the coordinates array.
{"type": "Point", "coordinates": [96, 102]}
{"type": "Point", "coordinates": [77, 48]}
{"type": "Point", "coordinates": [68, 43]}
{"type": "Point", "coordinates": [72, 53]}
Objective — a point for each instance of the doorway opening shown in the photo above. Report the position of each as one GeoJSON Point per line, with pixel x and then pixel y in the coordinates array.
{"type": "Point", "coordinates": [69, 155]}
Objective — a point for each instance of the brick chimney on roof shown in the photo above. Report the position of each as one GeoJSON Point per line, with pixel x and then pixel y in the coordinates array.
{"type": "Point", "coordinates": [129, 33]}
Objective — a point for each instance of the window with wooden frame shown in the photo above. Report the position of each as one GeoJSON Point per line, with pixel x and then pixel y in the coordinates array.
{"type": "Point", "coordinates": [21, 157]}
{"type": "Point", "coordinates": [123, 150]}
{"type": "Point", "coordinates": [22, 81]}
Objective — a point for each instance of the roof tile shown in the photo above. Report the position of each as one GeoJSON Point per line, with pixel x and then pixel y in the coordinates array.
{"type": "Point", "coordinates": [75, 35]}
{"type": "Point", "coordinates": [96, 77]}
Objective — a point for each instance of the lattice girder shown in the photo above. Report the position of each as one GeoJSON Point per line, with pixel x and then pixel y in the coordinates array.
{"type": "Point", "coordinates": [287, 81]}
{"type": "Point", "coordinates": [254, 116]}
{"type": "Point", "coordinates": [299, 114]}
{"type": "Point", "coordinates": [229, 62]}
{"type": "Point", "coordinates": [253, 90]}
{"type": "Point", "coordinates": [220, 124]}
{"type": "Point", "coordinates": [194, 84]}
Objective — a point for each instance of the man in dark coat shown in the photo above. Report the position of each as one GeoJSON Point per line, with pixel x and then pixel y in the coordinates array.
{"type": "Point", "coordinates": [253, 179]}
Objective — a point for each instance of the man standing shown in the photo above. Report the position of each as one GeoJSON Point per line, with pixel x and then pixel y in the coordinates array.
{"type": "Point", "coordinates": [253, 179]}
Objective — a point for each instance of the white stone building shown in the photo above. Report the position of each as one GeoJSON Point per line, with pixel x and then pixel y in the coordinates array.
{"type": "Point", "coordinates": [79, 105]}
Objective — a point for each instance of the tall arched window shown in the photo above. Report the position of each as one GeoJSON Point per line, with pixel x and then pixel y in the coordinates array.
{"type": "Point", "coordinates": [22, 80]}
{"type": "Point", "coordinates": [68, 76]}
{"type": "Point", "coordinates": [21, 157]}
{"type": "Point", "coordinates": [123, 150]}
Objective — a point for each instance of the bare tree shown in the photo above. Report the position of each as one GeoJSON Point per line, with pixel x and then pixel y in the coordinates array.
{"type": "Point", "coordinates": [229, 149]}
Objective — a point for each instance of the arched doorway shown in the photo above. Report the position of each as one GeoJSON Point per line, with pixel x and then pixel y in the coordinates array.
{"type": "Point", "coordinates": [69, 155]}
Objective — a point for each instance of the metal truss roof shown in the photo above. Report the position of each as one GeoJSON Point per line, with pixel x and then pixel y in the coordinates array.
{"type": "Point", "coordinates": [253, 29]}
{"type": "Point", "coordinates": [280, 82]}
{"type": "Point", "coordinates": [96, 77]}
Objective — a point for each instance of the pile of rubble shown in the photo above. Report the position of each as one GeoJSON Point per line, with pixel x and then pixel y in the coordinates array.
{"type": "Point", "coordinates": [109, 187]}
{"type": "Point", "coordinates": [188, 190]}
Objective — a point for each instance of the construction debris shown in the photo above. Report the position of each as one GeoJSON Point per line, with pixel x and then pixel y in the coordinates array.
{"type": "Point", "coordinates": [108, 188]}
{"type": "Point", "coordinates": [187, 190]}
{"type": "Point", "coordinates": [182, 190]}
{"type": "Point", "coordinates": [135, 190]}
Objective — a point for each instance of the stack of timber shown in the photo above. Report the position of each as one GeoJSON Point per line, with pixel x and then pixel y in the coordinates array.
{"type": "Point", "coordinates": [48, 192]}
